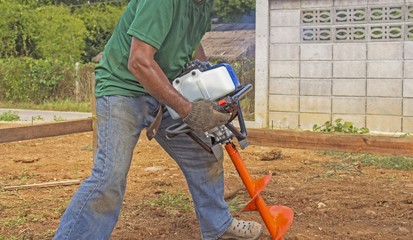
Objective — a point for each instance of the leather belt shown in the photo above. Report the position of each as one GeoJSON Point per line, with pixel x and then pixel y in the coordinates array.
{"type": "Point", "coordinates": [152, 129]}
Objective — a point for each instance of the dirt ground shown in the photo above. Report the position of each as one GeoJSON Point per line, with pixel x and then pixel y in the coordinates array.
{"type": "Point", "coordinates": [330, 199]}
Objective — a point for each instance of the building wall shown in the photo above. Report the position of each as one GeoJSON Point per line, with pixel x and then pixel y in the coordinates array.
{"type": "Point", "coordinates": [327, 59]}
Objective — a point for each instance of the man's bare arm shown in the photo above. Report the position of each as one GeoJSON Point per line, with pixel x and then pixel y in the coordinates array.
{"type": "Point", "coordinates": [144, 67]}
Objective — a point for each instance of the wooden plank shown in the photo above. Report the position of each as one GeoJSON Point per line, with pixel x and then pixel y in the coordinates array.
{"type": "Point", "coordinates": [264, 137]}
{"type": "Point", "coordinates": [331, 141]}
{"type": "Point", "coordinates": [45, 130]}
{"type": "Point", "coordinates": [41, 185]}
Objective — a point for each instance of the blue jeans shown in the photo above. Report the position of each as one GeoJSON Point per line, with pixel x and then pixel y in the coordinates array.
{"type": "Point", "coordinates": [93, 212]}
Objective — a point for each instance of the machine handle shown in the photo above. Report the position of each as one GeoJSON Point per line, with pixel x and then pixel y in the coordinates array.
{"type": "Point", "coordinates": [235, 97]}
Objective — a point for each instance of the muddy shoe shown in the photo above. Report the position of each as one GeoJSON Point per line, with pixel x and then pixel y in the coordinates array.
{"type": "Point", "coordinates": [243, 230]}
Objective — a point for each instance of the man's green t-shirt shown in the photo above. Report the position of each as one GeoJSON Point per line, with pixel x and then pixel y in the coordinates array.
{"type": "Point", "coordinates": [174, 27]}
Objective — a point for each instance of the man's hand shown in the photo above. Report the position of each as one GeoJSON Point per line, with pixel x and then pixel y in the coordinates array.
{"type": "Point", "coordinates": [204, 115]}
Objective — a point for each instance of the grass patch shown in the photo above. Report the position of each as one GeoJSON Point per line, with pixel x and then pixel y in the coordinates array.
{"type": "Point", "coordinates": [48, 234]}
{"type": "Point", "coordinates": [177, 201]}
{"type": "Point", "coordinates": [62, 105]}
{"type": "Point", "coordinates": [377, 161]}
{"type": "Point", "coordinates": [13, 222]}
{"type": "Point", "coordinates": [341, 166]}
{"type": "Point", "coordinates": [9, 116]}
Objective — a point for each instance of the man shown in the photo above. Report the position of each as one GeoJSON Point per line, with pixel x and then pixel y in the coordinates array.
{"type": "Point", "coordinates": [148, 49]}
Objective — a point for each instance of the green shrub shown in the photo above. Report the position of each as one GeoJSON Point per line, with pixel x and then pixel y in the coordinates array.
{"type": "Point", "coordinates": [36, 80]}
{"type": "Point", "coordinates": [232, 9]}
{"type": "Point", "coordinates": [59, 34]}
{"type": "Point", "coordinates": [99, 28]}
{"type": "Point", "coordinates": [40, 32]}
{"type": "Point", "coordinates": [16, 34]}
{"type": "Point", "coordinates": [27, 79]}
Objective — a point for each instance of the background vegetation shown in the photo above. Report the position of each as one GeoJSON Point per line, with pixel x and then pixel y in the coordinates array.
{"type": "Point", "coordinates": [42, 42]}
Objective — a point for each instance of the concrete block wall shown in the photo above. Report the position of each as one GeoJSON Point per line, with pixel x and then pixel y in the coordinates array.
{"type": "Point", "coordinates": [329, 59]}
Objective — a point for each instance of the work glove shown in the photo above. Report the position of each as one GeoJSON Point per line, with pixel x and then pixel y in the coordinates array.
{"type": "Point", "coordinates": [205, 115]}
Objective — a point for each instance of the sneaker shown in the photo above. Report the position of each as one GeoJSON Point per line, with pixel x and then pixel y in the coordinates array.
{"type": "Point", "coordinates": [243, 230]}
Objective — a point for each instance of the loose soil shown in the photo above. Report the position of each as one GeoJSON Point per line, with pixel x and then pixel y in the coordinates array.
{"type": "Point", "coordinates": [331, 199]}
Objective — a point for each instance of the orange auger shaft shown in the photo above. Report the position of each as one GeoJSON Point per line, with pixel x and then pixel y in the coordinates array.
{"type": "Point", "coordinates": [277, 219]}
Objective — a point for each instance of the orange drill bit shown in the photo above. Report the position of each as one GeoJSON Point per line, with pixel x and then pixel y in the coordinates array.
{"type": "Point", "coordinates": [277, 219]}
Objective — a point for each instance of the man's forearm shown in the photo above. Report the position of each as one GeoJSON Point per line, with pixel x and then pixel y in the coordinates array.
{"type": "Point", "coordinates": [152, 78]}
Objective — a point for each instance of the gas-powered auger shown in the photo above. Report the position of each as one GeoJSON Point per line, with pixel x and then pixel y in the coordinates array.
{"type": "Point", "coordinates": [219, 83]}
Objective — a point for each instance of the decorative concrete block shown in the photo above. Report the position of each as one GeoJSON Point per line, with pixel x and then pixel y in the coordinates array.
{"type": "Point", "coordinates": [284, 86]}
{"type": "Point", "coordinates": [307, 120]}
{"type": "Point", "coordinates": [285, 35]}
{"type": "Point", "coordinates": [384, 106]}
{"type": "Point", "coordinates": [408, 125]}
{"type": "Point", "coordinates": [408, 88]}
{"type": "Point", "coordinates": [371, 2]}
{"type": "Point", "coordinates": [316, 3]}
{"type": "Point", "coordinates": [349, 69]}
{"type": "Point", "coordinates": [315, 104]}
{"type": "Point", "coordinates": [358, 121]}
{"type": "Point", "coordinates": [349, 105]}
{"type": "Point", "coordinates": [284, 4]}
{"type": "Point", "coordinates": [385, 69]}
{"type": "Point", "coordinates": [285, 69]}
{"type": "Point", "coordinates": [282, 120]}
{"type": "Point", "coordinates": [384, 124]}
{"type": "Point", "coordinates": [313, 87]}
{"type": "Point", "coordinates": [408, 50]}
{"type": "Point", "coordinates": [408, 107]}
{"type": "Point", "coordinates": [350, 51]}
{"type": "Point", "coordinates": [284, 52]}
{"type": "Point", "coordinates": [408, 69]}
{"type": "Point", "coordinates": [316, 52]}
{"type": "Point", "coordinates": [385, 50]}
{"type": "Point", "coordinates": [283, 103]}
{"type": "Point", "coordinates": [341, 3]}
{"type": "Point", "coordinates": [384, 87]}
{"type": "Point", "coordinates": [285, 18]}
{"type": "Point", "coordinates": [349, 87]}
{"type": "Point", "coordinates": [316, 69]}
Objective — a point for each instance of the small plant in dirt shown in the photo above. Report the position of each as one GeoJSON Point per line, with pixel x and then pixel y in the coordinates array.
{"type": "Point", "coordinates": [88, 148]}
{"type": "Point", "coordinates": [9, 116]}
{"type": "Point", "coordinates": [340, 127]}
{"type": "Point", "coordinates": [58, 118]}
{"type": "Point", "coordinates": [234, 205]}
{"type": "Point", "coordinates": [406, 135]}
{"type": "Point", "coordinates": [37, 118]}
{"type": "Point", "coordinates": [177, 201]}
{"type": "Point", "coordinates": [23, 177]}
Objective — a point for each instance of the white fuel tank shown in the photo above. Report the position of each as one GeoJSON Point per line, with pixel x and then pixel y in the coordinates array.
{"type": "Point", "coordinates": [211, 84]}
